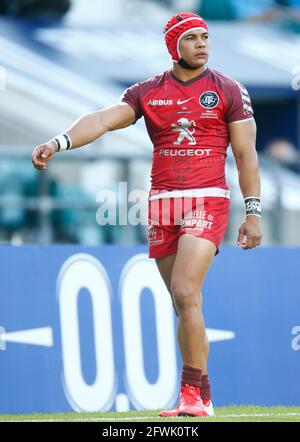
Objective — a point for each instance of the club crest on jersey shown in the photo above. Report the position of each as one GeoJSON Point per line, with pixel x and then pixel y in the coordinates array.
{"type": "Point", "coordinates": [209, 100]}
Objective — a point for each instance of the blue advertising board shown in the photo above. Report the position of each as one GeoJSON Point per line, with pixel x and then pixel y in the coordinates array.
{"type": "Point", "coordinates": [92, 329]}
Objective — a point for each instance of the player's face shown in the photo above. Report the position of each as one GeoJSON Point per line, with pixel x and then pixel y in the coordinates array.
{"type": "Point", "coordinates": [194, 48]}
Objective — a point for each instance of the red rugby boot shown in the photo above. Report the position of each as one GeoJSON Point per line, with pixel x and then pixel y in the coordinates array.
{"type": "Point", "coordinates": [190, 403]}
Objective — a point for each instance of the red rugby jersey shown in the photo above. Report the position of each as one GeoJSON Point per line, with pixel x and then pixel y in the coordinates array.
{"type": "Point", "coordinates": [187, 124]}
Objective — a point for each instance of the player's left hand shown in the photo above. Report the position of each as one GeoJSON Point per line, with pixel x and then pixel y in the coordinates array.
{"type": "Point", "coordinates": [250, 233]}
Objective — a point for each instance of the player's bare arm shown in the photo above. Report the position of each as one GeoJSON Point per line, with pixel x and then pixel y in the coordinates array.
{"type": "Point", "coordinates": [243, 138]}
{"type": "Point", "coordinates": [87, 129]}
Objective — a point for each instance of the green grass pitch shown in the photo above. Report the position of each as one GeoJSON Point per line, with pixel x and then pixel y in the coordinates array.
{"type": "Point", "coordinates": [224, 414]}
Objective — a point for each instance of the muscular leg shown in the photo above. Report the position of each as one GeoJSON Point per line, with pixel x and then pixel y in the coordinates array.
{"type": "Point", "coordinates": [204, 356]}
{"type": "Point", "coordinates": [165, 266]}
{"type": "Point", "coordinates": [193, 258]}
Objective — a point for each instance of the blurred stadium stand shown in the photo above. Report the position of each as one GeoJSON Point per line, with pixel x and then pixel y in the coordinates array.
{"type": "Point", "coordinates": [57, 70]}
{"type": "Point", "coordinates": [35, 9]}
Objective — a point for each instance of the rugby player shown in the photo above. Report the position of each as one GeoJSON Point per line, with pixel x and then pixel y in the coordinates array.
{"type": "Point", "coordinates": [192, 113]}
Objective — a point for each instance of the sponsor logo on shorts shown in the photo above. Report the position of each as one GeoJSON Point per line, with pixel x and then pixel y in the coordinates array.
{"type": "Point", "coordinates": [155, 235]}
{"type": "Point", "coordinates": [198, 220]}
{"type": "Point", "coordinates": [209, 100]}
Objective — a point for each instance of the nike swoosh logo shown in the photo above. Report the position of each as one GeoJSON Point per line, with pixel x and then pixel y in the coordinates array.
{"type": "Point", "coordinates": [183, 101]}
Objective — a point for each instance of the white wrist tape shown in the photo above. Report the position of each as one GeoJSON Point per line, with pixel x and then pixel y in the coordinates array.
{"type": "Point", "coordinates": [253, 207]}
{"type": "Point", "coordinates": [63, 142]}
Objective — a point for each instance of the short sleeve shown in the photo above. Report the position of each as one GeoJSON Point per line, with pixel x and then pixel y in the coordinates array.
{"type": "Point", "coordinates": [240, 107]}
{"type": "Point", "coordinates": [131, 96]}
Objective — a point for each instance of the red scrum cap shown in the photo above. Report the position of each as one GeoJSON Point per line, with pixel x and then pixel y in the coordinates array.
{"type": "Point", "coordinates": [177, 27]}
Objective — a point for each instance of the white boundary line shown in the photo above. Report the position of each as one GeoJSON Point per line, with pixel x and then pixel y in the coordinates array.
{"type": "Point", "coordinates": [157, 418]}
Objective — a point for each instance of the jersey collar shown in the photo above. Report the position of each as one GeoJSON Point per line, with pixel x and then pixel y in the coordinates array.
{"type": "Point", "coordinates": [187, 83]}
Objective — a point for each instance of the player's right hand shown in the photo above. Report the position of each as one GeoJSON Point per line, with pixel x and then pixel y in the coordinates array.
{"type": "Point", "coordinates": [42, 154]}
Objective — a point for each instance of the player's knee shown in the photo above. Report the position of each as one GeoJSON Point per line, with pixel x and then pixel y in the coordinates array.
{"type": "Point", "coordinates": [184, 296]}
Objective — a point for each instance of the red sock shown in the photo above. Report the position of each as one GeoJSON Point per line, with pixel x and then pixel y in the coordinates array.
{"type": "Point", "coordinates": [205, 388]}
{"type": "Point", "coordinates": [191, 376]}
